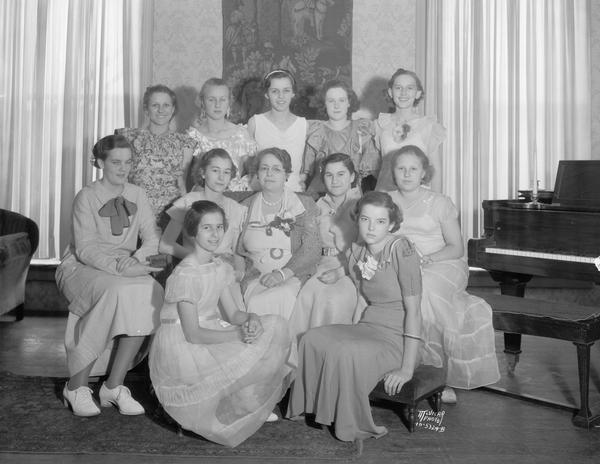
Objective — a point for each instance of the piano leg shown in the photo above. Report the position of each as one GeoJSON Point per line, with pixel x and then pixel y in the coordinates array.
{"type": "Point", "coordinates": [583, 417]}
{"type": "Point", "coordinates": [514, 285]}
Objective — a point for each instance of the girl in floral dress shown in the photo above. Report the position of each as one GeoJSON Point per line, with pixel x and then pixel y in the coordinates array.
{"type": "Point", "coordinates": [217, 374]}
{"type": "Point", "coordinates": [161, 157]}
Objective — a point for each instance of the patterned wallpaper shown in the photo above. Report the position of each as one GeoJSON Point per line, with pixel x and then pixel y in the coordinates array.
{"type": "Point", "coordinates": [374, 60]}
{"type": "Point", "coordinates": [595, 63]}
{"type": "Point", "coordinates": [188, 41]}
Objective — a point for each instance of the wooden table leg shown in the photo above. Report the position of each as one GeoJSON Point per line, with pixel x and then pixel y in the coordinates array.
{"type": "Point", "coordinates": [583, 417]}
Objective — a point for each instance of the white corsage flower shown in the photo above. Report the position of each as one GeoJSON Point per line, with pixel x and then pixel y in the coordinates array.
{"type": "Point", "coordinates": [368, 267]}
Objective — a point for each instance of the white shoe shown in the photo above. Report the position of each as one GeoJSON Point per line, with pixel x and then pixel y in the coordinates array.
{"type": "Point", "coordinates": [120, 396]}
{"type": "Point", "coordinates": [272, 418]}
{"type": "Point", "coordinates": [449, 396]}
{"type": "Point", "coordinates": [81, 401]}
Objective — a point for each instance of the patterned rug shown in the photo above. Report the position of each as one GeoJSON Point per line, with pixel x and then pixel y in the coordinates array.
{"type": "Point", "coordinates": [33, 419]}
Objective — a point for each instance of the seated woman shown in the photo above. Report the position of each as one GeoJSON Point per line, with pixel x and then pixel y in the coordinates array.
{"type": "Point", "coordinates": [458, 325]}
{"type": "Point", "coordinates": [214, 130]}
{"type": "Point", "coordinates": [218, 378]}
{"type": "Point", "coordinates": [339, 134]}
{"type": "Point", "coordinates": [339, 365]}
{"type": "Point", "coordinates": [212, 174]}
{"type": "Point", "coordinates": [113, 302]}
{"type": "Point", "coordinates": [280, 239]}
{"type": "Point", "coordinates": [329, 296]}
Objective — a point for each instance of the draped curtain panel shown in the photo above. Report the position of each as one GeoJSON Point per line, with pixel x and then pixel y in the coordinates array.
{"type": "Point", "coordinates": [310, 38]}
{"type": "Point", "coordinates": [510, 79]}
{"type": "Point", "coordinates": [72, 73]}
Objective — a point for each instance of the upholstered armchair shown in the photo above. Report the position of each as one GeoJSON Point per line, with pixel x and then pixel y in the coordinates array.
{"type": "Point", "coordinates": [19, 237]}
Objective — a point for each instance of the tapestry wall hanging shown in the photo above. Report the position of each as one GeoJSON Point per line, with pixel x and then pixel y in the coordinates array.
{"type": "Point", "coordinates": [310, 38]}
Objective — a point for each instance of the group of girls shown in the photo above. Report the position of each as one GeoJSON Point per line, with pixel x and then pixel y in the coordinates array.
{"type": "Point", "coordinates": [278, 290]}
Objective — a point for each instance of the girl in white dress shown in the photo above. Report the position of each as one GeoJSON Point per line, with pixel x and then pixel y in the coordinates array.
{"type": "Point", "coordinates": [218, 378]}
{"type": "Point", "coordinates": [279, 127]}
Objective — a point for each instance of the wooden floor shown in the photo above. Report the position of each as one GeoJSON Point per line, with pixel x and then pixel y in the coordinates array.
{"type": "Point", "coordinates": [523, 432]}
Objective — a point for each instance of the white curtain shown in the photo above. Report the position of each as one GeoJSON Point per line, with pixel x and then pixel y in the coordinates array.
{"type": "Point", "coordinates": [510, 80]}
{"type": "Point", "coordinates": [73, 71]}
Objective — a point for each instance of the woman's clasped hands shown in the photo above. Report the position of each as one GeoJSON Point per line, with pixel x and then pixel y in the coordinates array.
{"type": "Point", "coordinates": [251, 329]}
{"type": "Point", "coordinates": [129, 266]}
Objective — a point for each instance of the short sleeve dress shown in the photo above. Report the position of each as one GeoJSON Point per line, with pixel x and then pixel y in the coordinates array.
{"type": "Point", "coordinates": [356, 140]}
{"type": "Point", "coordinates": [424, 132]}
{"type": "Point", "coordinates": [234, 213]}
{"type": "Point", "coordinates": [221, 391]}
{"type": "Point", "coordinates": [339, 365]}
{"type": "Point", "coordinates": [457, 325]}
{"type": "Point", "coordinates": [157, 164]}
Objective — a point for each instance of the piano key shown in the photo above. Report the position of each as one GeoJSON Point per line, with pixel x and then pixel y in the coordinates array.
{"type": "Point", "coordinates": [541, 255]}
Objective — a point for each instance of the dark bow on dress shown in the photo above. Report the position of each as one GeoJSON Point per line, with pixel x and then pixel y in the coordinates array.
{"type": "Point", "coordinates": [118, 209]}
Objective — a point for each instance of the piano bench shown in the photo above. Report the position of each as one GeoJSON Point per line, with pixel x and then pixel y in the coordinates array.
{"type": "Point", "coordinates": [553, 319]}
{"type": "Point", "coordinates": [428, 382]}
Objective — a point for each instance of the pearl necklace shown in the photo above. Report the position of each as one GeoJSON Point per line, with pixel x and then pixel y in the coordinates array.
{"type": "Point", "coordinates": [271, 203]}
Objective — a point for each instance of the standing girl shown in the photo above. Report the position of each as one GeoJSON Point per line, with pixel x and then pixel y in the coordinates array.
{"type": "Point", "coordinates": [218, 378]}
{"type": "Point", "coordinates": [279, 127]}
{"type": "Point", "coordinates": [405, 126]}
{"type": "Point", "coordinates": [214, 130]}
{"type": "Point", "coordinates": [161, 157]}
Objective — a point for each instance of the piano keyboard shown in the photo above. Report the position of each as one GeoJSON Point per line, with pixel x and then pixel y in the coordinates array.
{"type": "Point", "coordinates": [537, 254]}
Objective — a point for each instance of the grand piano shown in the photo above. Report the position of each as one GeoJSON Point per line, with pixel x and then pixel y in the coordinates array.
{"type": "Point", "coordinates": [559, 238]}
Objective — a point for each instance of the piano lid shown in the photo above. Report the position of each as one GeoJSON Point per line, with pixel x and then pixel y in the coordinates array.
{"type": "Point", "coordinates": [577, 183]}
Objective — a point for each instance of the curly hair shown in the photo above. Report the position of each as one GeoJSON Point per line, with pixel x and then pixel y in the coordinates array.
{"type": "Point", "coordinates": [353, 103]}
{"type": "Point", "coordinates": [338, 158]}
{"type": "Point", "coordinates": [382, 200]}
{"type": "Point", "coordinates": [202, 161]}
{"type": "Point", "coordinates": [279, 153]}
{"type": "Point", "coordinates": [159, 88]}
{"type": "Point", "coordinates": [106, 144]}
{"type": "Point", "coordinates": [401, 72]}
{"type": "Point", "coordinates": [195, 214]}
{"type": "Point", "coordinates": [413, 150]}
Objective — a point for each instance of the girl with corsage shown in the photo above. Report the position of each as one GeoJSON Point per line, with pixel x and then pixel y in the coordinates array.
{"type": "Point", "coordinates": [339, 365]}
{"type": "Point", "coordinates": [280, 239]}
{"type": "Point", "coordinates": [405, 126]}
{"type": "Point", "coordinates": [458, 325]}
{"type": "Point", "coordinates": [217, 374]}
{"type": "Point", "coordinates": [113, 301]}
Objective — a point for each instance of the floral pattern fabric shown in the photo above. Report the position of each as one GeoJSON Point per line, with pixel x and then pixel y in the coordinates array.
{"type": "Point", "coordinates": [239, 145]}
{"type": "Point", "coordinates": [157, 164]}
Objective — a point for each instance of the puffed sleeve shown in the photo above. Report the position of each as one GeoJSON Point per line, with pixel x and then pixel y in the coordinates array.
{"type": "Point", "coordinates": [182, 287]}
{"type": "Point", "coordinates": [178, 210]}
{"type": "Point", "coordinates": [436, 136]}
{"type": "Point", "coordinates": [443, 209]}
{"type": "Point", "coordinates": [406, 263]}
{"type": "Point", "coordinates": [87, 236]}
{"type": "Point", "coordinates": [314, 142]}
{"type": "Point", "coordinates": [148, 228]}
